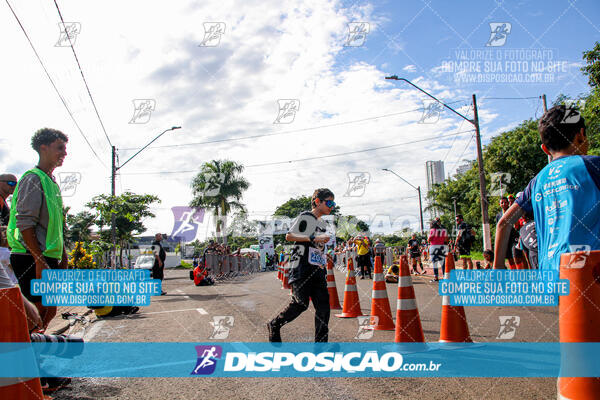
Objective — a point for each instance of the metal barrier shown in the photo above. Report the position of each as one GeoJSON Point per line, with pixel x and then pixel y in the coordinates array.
{"type": "Point", "coordinates": [222, 267]}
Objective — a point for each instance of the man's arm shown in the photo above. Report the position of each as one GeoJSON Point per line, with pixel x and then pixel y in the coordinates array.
{"type": "Point", "coordinates": [34, 249]}
{"type": "Point", "coordinates": [503, 233]}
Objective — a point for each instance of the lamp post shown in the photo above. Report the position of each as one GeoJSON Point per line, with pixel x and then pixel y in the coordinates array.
{"type": "Point", "coordinates": [487, 240]}
{"type": "Point", "coordinates": [417, 188]}
{"type": "Point", "coordinates": [114, 169]}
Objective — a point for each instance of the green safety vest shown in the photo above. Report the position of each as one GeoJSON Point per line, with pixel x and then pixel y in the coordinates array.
{"type": "Point", "coordinates": [54, 234]}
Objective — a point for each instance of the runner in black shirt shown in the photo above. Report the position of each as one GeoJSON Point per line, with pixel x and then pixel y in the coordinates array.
{"type": "Point", "coordinates": [307, 273]}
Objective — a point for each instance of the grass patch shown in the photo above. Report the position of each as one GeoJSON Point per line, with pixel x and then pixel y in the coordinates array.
{"type": "Point", "coordinates": [185, 265]}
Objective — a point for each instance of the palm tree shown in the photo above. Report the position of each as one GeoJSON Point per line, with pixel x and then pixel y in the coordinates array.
{"type": "Point", "coordinates": [219, 186]}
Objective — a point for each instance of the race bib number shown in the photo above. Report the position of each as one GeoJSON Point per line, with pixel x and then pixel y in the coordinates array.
{"type": "Point", "coordinates": [315, 257]}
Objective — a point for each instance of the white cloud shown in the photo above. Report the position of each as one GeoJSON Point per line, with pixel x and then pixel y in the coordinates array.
{"type": "Point", "coordinates": [278, 50]}
{"type": "Point", "coordinates": [410, 68]}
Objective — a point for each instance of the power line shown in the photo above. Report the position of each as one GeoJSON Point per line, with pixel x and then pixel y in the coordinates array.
{"type": "Point", "coordinates": [287, 132]}
{"type": "Point", "coordinates": [454, 140]}
{"type": "Point", "coordinates": [82, 75]}
{"type": "Point", "coordinates": [313, 158]}
{"type": "Point", "coordinates": [53, 84]}
{"type": "Point", "coordinates": [510, 98]}
{"type": "Point", "coordinates": [464, 151]}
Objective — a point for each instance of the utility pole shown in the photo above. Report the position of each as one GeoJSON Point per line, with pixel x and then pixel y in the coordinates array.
{"type": "Point", "coordinates": [420, 208]}
{"type": "Point", "coordinates": [114, 169]}
{"type": "Point", "coordinates": [455, 224]}
{"type": "Point", "coordinates": [417, 188]}
{"type": "Point", "coordinates": [113, 230]}
{"type": "Point", "coordinates": [544, 102]}
{"type": "Point", "coordinates": [487, 240]}
{"type": "Point", "coordinates": [487, 237]}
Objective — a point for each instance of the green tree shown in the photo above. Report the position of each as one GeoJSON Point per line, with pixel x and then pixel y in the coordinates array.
{"type": "Point", "coordinates": [294, 206]}
{"type": "Point", "coordinates": [130, 210]}
{"type": "Point", "coordinates": [219, 187]}
{"type": "Point", "coordinates": [79, 227]}
{"type": "Point", "coordinates": [592, 69]}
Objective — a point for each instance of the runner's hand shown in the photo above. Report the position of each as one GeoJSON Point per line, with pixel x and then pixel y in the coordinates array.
{"type": "Point", "coordinates": [321, 239]}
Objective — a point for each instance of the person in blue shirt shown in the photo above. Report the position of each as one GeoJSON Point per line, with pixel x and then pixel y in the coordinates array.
{"type": "Point", "coordinates": [564, 196]}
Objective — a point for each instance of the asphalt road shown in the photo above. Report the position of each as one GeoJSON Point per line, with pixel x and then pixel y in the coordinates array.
{"type": "Point", "coordinates": [185, 313]}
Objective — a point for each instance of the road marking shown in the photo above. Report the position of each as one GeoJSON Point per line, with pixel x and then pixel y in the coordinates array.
{"type": "Point", "coordinates": [203, 312]}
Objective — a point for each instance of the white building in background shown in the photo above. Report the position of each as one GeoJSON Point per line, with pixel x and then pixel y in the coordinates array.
{"type": "Point", "coordinates": [435, 174]}
{"type": "Point", "coordinates": [461, 169]}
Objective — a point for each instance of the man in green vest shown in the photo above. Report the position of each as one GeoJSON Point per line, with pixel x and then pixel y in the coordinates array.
{"type": "Point", "coordinates": [35, 228]}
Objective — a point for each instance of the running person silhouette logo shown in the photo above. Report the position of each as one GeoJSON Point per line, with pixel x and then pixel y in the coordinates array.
{"type": "Point", "coordinates": [207, 359]}
{"type": "Point", "coordinates": [499, 33]}
{"type": "Point", "coordinates": [508, 326]}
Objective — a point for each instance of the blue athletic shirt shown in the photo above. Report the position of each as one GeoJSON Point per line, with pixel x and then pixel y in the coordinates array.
{"type": "Point", "coordinates": [564, 198]}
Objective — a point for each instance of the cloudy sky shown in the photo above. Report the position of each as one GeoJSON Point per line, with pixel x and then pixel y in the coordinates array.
{"type": "Point", "coordinates": [222, 69]}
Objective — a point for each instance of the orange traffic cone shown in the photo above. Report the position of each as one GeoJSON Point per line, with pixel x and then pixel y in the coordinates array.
{"type": "Point", "coordinates": [351, 302]}
{"type": "Point", "coordinates": [280, 271]}
{"type": "Point", "coordinates": [454, 326]}
{"type": "Point", "coordinates": [286, 275]}
{"type": "Point", "coordinates": [334, 301]}
{"type": "Point", "coordinates": [380, 305]}
{"type": "Point", "coordinates": [13, 328]}
{"type": "Point", "coordinates": [408, 321]}
{"type": "Point", "coordinates": [579, 319]}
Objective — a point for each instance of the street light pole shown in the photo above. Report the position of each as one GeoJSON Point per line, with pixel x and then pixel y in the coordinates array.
{"type": "Point", "coordinates": [114, 169]}
{"type": "Point", "coordinates": [418, 189]}
{"type": "Point", "coordinates": [487, 240]}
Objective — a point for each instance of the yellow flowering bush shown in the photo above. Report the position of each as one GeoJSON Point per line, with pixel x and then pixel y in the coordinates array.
{"type": "Point", "coordinates": [78, 258]}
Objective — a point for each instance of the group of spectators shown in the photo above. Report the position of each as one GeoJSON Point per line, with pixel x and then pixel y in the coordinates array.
{"type": "Point", "coordinates": [522, 249]}
{"type": "Point", "coordinates": [366, 252]}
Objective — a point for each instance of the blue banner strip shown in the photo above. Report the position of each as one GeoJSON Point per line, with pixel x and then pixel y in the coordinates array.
{"type": "Point", "coordinates": [299, 359]}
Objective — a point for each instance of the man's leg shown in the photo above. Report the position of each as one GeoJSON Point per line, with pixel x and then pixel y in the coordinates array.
{"type": "Point", "coordinates": [470, 262]}
{"type": "Point", "coordinates": [320, 298]}
{"type": "Point", "coordinates": [297, 305]}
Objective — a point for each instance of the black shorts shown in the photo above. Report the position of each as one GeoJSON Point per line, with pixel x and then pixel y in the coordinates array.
{"type": "Point", "coordinates": [24, 267]}
{"type": "Point", "coordinates": [464, 252]}
{"type": "Point", "coordinates": [415, 255]}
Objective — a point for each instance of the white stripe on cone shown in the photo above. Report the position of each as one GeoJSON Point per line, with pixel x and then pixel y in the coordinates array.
{"type": "Point", "coordinates": [350, 288]}
{"type": "Point", "coordinates": [379, 294]}
{"type": "Point", "coordinates": [404, 281]}
{"type": "Point", "coordinates": [378, 276]}
{"type": "Point", "coordinates": [406, 304]}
